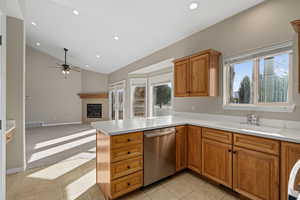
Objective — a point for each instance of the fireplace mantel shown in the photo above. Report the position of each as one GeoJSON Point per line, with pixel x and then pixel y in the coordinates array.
{"type": "Point", "coordinates": [102, 95]}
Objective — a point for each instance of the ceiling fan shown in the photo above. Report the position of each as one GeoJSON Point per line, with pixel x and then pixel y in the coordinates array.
{"type": "Point", "coordinates": [65, 68]}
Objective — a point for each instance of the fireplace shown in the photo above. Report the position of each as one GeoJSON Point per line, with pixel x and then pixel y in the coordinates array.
{"type": "Point", "coordinates": [94, 110]}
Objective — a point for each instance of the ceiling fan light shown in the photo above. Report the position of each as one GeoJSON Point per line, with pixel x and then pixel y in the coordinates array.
{"type": "Point", "coordinates": [68, 72]}
{"type": "Point", "coordinates": [63, 72]}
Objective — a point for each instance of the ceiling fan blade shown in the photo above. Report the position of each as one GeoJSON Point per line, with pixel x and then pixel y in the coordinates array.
{"type": "Point", "coordinates": [55, 67]}
{"type": "Point", "coordinates": [76, 70]}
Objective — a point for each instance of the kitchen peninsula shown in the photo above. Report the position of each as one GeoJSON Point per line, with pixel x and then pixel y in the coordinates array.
{"type": "Point", "coordinates": [252, 160]}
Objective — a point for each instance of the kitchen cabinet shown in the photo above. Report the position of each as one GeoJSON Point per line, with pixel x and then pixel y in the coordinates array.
{"type": "Point", "coordinates": [194, 148]}
{"type": "Point", "coordinates": [217, 161]}
{"type": "Point", "coordinates": [181, 148]}
{"type": "Point", "coordinates": [197, 75]}
{"type": "Point", "coordinates": [180, 78]}
{"type": "Point", "coordinates": [290, 154]}
{"type": "Point", "coordinates": [255, 174]}
{"type": "Point", "coordinates": [119, 163]}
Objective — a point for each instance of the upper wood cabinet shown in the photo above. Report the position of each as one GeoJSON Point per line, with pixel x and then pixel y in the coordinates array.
{"type": "Point", "coordinates": [194, 148]}
{"type": "Point", "coordinates": [181, 147]}
{"type": "Point", "coordinates": [290, 154]}
{"type": "Point", "coordinates": [197, 75]}
{"type": "Point", "coordinates": [180, 81]}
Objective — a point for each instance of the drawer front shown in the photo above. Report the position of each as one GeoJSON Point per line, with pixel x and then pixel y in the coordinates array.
{"type": "Point", "coordinates": [127, 184]}
{"type": "Point", "coordinates": [126, 167]}
{"type": "Point", "coordinates": [217, 135]}
{"type": "Point", "coordinates": [257, 144]}
{"type": "Point", "coordinates": [126, 152]}
{"type": "Point", "coordinates": [126, 139]}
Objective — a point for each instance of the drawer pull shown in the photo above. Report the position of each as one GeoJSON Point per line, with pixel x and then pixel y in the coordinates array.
{"type": "Point", "coordinates": [128, 152]}
{"type": "Point", "coordinates": [128, 167]}
{"type": "Point", "coordinates": [229, 150]}
{"type": "Point", "coordinates": [128, 184]}
{"type": "Point", "coordinates": [234, 152]}
{"type": "Point", "coordinates": [128, 140]}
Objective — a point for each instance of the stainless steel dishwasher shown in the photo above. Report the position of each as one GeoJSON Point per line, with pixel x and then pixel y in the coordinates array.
{"type": "Point", "coordinates": [159, 154]}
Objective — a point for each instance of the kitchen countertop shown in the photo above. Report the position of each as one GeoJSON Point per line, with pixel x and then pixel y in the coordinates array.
{"type": "Point", "coordinates": [133, 125]}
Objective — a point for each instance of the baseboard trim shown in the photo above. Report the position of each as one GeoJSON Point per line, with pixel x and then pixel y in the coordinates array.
{"type": "Point", "coordinates": [59, 124]}
{"type": "Point", "coordinates": [14, 170]}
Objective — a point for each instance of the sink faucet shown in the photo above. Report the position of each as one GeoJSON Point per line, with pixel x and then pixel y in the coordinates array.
{"type": "Point", "coordinates": [253, 119]}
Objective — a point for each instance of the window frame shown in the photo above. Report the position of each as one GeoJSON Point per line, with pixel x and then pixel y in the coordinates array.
{"type": "Point", "coordinates": [158, 80]}
{"type": "Point", "coordinates": [114, 88]}
{"type": "Point", "coordinates": [288, 106]}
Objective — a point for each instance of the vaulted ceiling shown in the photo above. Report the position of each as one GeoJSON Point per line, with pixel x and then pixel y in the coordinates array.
{"type": "Point", "coordinates": [119, 31]}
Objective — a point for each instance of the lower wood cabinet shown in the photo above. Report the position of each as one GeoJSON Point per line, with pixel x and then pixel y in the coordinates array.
{"type": "Point", "coordinates": [217, 161]}
{"type": "Point", "coordinates": [290, 154]}
{"type": "Point", "coordinates": [119, 163]}
{"type": "Point", "coordinates": [255, 174]}
{"type": "Point", "coordinates": [194, 137]}
{"type": "Point", "coordinates": [181, 148]}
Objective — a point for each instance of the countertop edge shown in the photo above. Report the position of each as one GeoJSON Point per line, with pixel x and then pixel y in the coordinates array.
{"type": "Point", "coordinates": [234, 130]}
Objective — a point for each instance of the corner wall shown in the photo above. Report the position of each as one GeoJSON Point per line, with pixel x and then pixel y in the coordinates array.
{"type": "Point", "coordinates": [260, 26]}
{"type": "Point", "coordinates": [52, 99]}
{"type": "Point", "coordinates": [15, 92]}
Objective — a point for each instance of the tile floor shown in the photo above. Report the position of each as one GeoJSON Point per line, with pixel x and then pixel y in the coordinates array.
{"type": "Point", "coordinates": [74, 179]}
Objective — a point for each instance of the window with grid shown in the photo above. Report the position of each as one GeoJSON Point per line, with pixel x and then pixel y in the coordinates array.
{"type": "Point", "coordinates": [262, 79]}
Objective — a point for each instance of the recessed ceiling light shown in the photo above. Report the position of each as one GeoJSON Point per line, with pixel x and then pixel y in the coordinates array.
{"type": "Point", "coordinates": [33, 24]}
{"type": "Point", "coordinates": [38, 44]}
{"type": "Point", "coordinates": [87, 66]}
{"type": "Point", "coordinates": [193, 5]}
{"type": "Point", "coordinates": [116, 38]}
{"type": "Point", "coordinates": [75, 12]}
{"type": "Point", "coordinates": [97, 56]}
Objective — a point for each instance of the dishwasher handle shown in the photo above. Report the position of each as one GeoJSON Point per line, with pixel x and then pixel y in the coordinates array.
{"type": "Point", "coordinates": [150, 135]}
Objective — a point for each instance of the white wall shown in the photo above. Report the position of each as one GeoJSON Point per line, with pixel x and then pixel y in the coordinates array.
{"type": "Point", "coordinates": [15, 92]}
{"type": "Point", "coordinates": [260, 26]}
{"type": "Point", "coordinates": [50, 98]}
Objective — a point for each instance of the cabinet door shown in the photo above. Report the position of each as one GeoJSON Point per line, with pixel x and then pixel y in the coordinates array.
{"type": "Point", "coordinates": [194, 148]}
{"type": "Point", "coordinates": [181, 147]}
{"type": "Point", "coordinates": [217, 161]}
{"type": "Point", "coordinates": [255, 174]}
{"type": "Point", "coordinates": [199, 76]}
{"type": "Point", "coordinates": [180, 78]}
{"type": "Point", "coordinates": [290, 154]}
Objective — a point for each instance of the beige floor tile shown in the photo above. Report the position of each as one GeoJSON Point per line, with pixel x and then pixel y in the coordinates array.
{"type": "Point", "coordinates": [198, 196]}
{"type": "Point", "coordinates": [137, 195]}
{"type": "Point", "coordinates": [179, 187]}
{"type": "Point", "coordinates": [230, 197]}
{"type": "Point", "coordinates": [163, 194]}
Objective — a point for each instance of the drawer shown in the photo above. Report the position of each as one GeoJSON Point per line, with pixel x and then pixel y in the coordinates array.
{"type": "Point", "coordinates": [118, 141]}
{"type": "Point", "coordinates": [126, 152]}
{"type": "Point", "coordinates": [126, 184]}
{"type": "Point", "coordinates": [257, 143]}
{"type": "Point", "coordinates": [126, 167]}
{"type": "Point", "coordinates": [217, 135]}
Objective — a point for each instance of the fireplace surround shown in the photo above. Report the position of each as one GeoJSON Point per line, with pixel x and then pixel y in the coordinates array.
{"type": "Point", "coordinates": [94, 107]}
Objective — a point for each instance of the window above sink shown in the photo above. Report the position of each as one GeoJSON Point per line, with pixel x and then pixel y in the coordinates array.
{"type": "Point", "coordinates": [260, 81]}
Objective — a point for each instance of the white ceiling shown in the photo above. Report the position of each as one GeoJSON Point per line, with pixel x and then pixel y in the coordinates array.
{"type": "Point", "coordinates": [143, 27]}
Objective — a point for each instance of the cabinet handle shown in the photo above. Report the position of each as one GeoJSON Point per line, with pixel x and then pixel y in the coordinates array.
{"type": "Point", "coordinates": [128, 167]}
{"type": "Point", "coordinates": [128, 140]}
{"type": "Point", "coordinates": [229, 150]}
{"type": "Point", "coordinates": [128, 184]}
{"type": "Point", "coordinates": [234, 152]}
{"type": "Point", "coordinates": [128, 152]}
